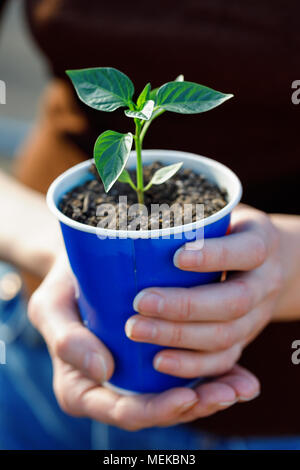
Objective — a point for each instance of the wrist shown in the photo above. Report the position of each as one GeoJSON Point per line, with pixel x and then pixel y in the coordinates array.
{"type": "Point", "coordinates": [30, 236]}
{"type": "Point", "coordinates": [36, 260]}
{"type": "Point", "coordinates": [288, 303]}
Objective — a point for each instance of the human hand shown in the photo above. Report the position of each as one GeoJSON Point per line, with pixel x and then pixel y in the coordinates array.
{"type": "Point", "coordinates": [81, 363]}
{"type": "Point", "coordinates": [210, 325]}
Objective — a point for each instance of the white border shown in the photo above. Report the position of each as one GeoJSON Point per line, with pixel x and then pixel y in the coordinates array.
{"type": "Point", "coordinates": [203, 164]}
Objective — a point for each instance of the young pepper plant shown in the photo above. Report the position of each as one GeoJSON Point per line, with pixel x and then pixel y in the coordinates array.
{"type": "Point", "coordinates": [107, 89]}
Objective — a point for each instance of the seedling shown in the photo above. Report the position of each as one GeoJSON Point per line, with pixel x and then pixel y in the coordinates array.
{"type": "Point", "coordinates": [108, 89]}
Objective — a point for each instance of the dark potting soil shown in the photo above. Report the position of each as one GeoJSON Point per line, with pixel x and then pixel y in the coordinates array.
{"type": "Point", "coordinates": [185, 187]}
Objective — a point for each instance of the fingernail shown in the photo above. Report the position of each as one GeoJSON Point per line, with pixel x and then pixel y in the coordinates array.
{"type": "Point", "coordinates": [175, 257]}
{"type": "Point", "coordinates": [228, 403]}
{"type": "Point", "coordinates": [129, 326]}
{"type": "Point", "coordinates": [95, 365]}
{"type": "Point", "coordinates": [166, 363]}
{"type": "Point", "coordinates": [189, 405]}
{"type": "Point", "coordinates": [148, 302]}
{"type": "Point", "coordinates": [249, 398]}
{"type": "Point", "coordinates": [195, 245]}
{"type": "Point", "coordinates": [143, 329]}
{"type": "Point", "coordinates": [187, 258]}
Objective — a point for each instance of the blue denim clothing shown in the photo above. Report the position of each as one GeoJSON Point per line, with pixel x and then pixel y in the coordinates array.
{"type": "Point", "coordinates": [31, 419]}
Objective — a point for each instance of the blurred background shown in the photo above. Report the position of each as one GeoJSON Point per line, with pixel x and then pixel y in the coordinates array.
{"type": "Point", "coordinates": [25, 75]}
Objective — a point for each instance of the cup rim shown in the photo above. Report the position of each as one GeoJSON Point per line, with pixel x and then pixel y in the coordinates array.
{"type": "Point", "coordinates": [156, 233]}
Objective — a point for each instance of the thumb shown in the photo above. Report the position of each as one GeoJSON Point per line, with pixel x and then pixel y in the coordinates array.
{"type": "Point", "coordinates": [79, 347]}
{"type": "Point", "coordinates": [53, 311]}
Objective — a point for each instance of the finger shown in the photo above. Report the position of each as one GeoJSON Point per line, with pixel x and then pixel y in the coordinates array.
{"type": "Point", "coordinates": [82, 398]}
{"type": "Point", "coordinates": [53, 311]}
{"type": "Point", "coordinates": [235, 252]}
{"type": "Point", "coordinates": [235, 386]}
{"type": "Point", "coordinates": [222, 301]}
{"type": "Point", "coordinates": [199, 336]}
{"type": "Point", "coordinates": [245, 248]}
{"type": "Point", "coordinates": [213, 302]}
{"type": "Point", "coordinates": [245, 384]}
{"type": "Point", "coordinates": [192, 364]}
{"type": "Point", "coordinates": [212, 397]}
{"type": "Point", "coordinates": [77, 346]}
{"type": "Point", "coordinates": [263, 316]}
{"type": "Point", "coordinates": [140, 411]}
{"type": "Point", "coordinates": [69, 385]}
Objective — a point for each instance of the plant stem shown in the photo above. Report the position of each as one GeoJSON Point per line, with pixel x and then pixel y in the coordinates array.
{"type": "Point", "coordinates": [140, 132]}
{"type": "Point", "coordinates": [156, 113]}
{"type": "Point", "coordinates": [139, 163]}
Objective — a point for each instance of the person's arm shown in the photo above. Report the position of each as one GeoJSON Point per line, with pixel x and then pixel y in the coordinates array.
{"type": "Point", "coordinates": [288, 304]}
{"type": "Point", "coordinates": [29, 234]}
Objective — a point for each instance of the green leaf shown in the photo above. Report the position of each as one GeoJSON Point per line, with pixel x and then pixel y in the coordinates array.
{"type": "Point", "coordinates": [111, 152]}
{"type": "Point", "coordinates": [144, 96]}
{"type": "Point", "coordinates": [144, 114]}
{"type": "Point", "coordinates": [153, 93]}
{"type": "Point", "coordinates": [163, 174]}
{"type": "Point", "coordinates": [126, 178]}
{"type": "Point", "coordinates": [189, 98]}
{"type": "Point", "coordinates": [104, 88]}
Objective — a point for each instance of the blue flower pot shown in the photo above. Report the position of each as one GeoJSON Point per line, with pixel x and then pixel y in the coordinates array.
{"type": "Point", "coordinates": [112, 266]}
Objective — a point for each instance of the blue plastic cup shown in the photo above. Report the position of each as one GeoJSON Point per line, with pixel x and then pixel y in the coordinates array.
{"type": "Point", "coordinates": [112, 266]}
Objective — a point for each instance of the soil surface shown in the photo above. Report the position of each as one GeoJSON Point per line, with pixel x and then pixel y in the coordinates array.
{"type": "Point", "coordinates": [185, 187]}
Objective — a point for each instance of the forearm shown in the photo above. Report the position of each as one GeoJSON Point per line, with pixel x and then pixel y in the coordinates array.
{"type": "Point", "coordinates": [288, 305]}
{"type": "Point", "coordinates": [29, 235]}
